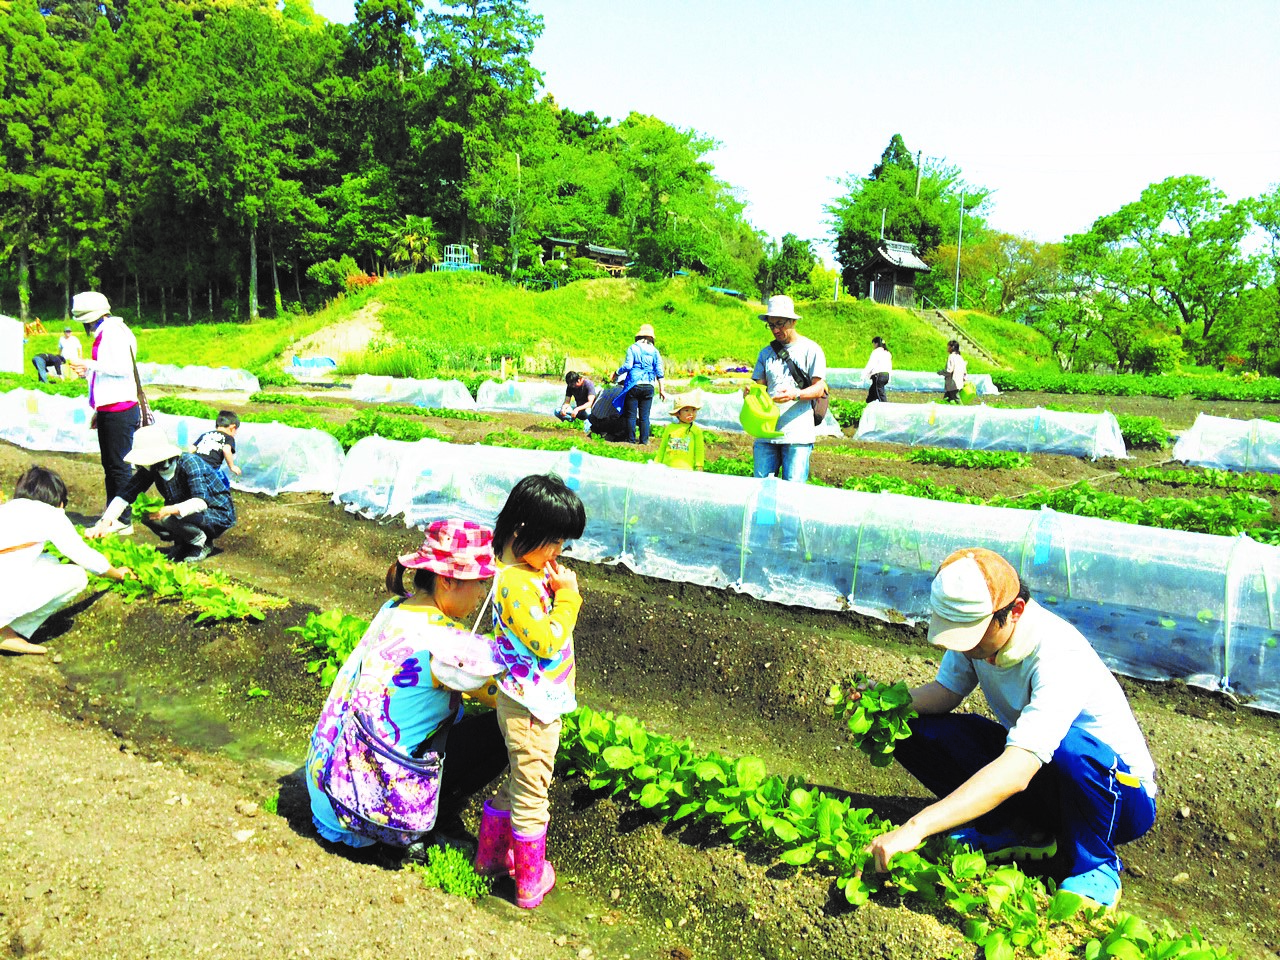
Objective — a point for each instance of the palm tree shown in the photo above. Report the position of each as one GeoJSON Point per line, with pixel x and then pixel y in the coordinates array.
{"type": "Point", "coordinates": [414, 242]}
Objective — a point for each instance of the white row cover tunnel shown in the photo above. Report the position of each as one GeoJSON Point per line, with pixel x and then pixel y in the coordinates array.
{"type": "Point", "coordinates": [1028, 430]}
{"type": "Point", "coordinates": [907, 381]}
{"type": "Point", "coordinates": [1157, 604]}
{"type": "Point", "coordinates": [198, 378]}
{"type": "Point", "coordinates": [1226, 444]}
{"type": "Point", "coordinates": [273, 458]}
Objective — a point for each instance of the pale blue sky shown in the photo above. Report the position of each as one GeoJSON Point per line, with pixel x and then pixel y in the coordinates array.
{"type": "Point", "coordinates": [1067, 110]}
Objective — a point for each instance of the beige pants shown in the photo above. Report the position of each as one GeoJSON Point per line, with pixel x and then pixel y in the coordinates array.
{"type": "Point", "coordinates": [531, 755]}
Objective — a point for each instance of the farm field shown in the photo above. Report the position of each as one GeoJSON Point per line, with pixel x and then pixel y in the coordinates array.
{"type": "Point", "coordinates": [140, 683]}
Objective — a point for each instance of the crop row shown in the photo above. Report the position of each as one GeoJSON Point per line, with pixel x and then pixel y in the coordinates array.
{"type": "Point", "coordinates": [401, 409]}
{"type": "Point", "coordinates": [1001, 910]}
{"type": "Point", "coordinates": [1266, 389]}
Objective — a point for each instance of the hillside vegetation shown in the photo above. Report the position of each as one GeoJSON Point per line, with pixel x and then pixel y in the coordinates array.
{"type": "Point", "coordinates": [447, 321]}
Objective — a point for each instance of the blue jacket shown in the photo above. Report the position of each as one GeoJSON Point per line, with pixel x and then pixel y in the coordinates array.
{"type": "Point", "coordinates": [642, 364]}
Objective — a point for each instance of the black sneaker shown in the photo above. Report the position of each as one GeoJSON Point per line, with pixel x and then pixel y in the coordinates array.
{"type": "Point", "coordinates": [197, 554]}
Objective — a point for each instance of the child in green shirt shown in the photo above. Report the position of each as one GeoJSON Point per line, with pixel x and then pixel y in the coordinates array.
{"type": "Point", "coordinates": [682, 443]}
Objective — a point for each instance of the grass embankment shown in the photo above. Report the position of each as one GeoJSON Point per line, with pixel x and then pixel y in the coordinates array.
{"type": "Point", "coordinates": [440, 322]}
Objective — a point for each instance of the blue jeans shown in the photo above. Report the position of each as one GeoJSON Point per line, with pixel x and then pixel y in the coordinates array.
{"type": "Point", "coordinates": [639, 401]}
{"type": "Point", "coordinates": [1077, 797]}
{"type": "Point", "coordinates": [790, 461]}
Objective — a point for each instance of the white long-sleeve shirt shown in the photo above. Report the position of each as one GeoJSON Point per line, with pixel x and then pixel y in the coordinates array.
{"type": "Point", "coordinates": [69, 346]}
{"type": "Point", "coordinates": [111, 372]}
{"type": "Point", "coordinates": [30, 524]}
{"type": "Point", "coordinates": [881, 361]}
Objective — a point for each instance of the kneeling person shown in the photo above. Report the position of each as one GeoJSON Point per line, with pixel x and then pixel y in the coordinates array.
{"type": "Point", "coordinates": [198, 507]}
{"type": "Point", "coordinates": [1065, 761]}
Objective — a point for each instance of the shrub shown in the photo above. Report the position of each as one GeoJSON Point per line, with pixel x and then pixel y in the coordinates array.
{"type": "Point", "coordinates": [333, 273]}
{"type": "Point", "coordinates": [1157, 355]}
{"type": "Point", "coordinates": [847, 412]}
{"type": "Point", "coordinates": [1147, 432]}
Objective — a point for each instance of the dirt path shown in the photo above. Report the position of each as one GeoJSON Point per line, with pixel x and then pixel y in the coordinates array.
{"type": "Point", "coordinates": [89, 833]}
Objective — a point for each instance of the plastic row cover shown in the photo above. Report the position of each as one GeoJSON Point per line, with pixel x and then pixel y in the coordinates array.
{"type": "Point", "coordinates": [1157, 604]}
{"type": "Point", "coordinates": [1231, 444]}
{"type": "Point", "coordinates": [719, 410]}
{"type": "Point", "coordinates": [273, 458]}
{"type": "Point", "coordinates": [200, 378]}
{"type": "Point", "coordinates": [441, 394]}
{"type": "Point", "coordinates": [908, 381]}
{"type": "Point", "coordinates": [1030, 430]}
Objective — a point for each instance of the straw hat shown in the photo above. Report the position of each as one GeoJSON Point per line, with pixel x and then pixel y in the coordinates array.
{"type": "Point", "coordinates": [151, 446]}
{"type": "Point", "coordinates": [458, 549]}
{"type": "Point", "coordinates": [780, 307]}
{"type": "Point", "coordinates": [691, 399]}
{"type": "Point", "coordinates": [646, 330]}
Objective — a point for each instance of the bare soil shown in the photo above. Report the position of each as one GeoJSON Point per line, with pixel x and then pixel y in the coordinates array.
{"type": "Point", "coordinates": [126, 762]}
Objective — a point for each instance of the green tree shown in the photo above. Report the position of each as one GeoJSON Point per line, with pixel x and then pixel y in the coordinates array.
{"type": "Point", "coordinates": [1176, 249]}
{"type": "Point", "coordinates": [920, 205]}
{"type": "Point", "coordinates": [413, 242]}
{"type": "Point", "coordinates": [786, 266]}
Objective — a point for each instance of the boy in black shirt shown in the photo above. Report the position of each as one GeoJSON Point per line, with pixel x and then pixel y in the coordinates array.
{"type": "Point", "coordinates": [218, 446]}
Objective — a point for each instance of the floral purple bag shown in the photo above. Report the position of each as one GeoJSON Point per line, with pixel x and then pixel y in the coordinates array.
{"type": "Point", "coordinates": [379, 793]}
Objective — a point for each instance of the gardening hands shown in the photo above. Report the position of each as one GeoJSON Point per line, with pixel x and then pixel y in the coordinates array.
{"type": "Point", "coordinates": [903, 839]}
{"type": "Point", "coordinates": [166, 511]}
{"type": "Point", "coordinates": [118, 574]}
{"type": "Point", "coordinates": [560, 577]}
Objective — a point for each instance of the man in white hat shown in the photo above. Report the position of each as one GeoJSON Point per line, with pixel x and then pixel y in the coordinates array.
{"type": "Point", "coordinates": [198, 507]}
{"type": "Point", "coordinates": [113, 392]}
{"type": "Point", "coordinates": [1065, 770]}
{"type": "Point", "coordinates": [793, 369]}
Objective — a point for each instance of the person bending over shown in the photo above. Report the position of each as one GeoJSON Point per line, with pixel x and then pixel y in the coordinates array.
{"type": "Point", "coordinates": [1064, 767]}
{"type": "Point", "coordinates": [198, 507]}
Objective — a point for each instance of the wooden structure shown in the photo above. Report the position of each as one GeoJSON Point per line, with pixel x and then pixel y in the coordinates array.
{"type": "Point", "coordinates": [34, 327]}
{"type": "Point", "coordinates": [893, 279]}
{"type": "Point", "coordinates": [610, 259]}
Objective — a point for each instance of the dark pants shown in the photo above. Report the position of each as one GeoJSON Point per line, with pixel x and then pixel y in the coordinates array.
{"type": "Point", "coordinates": [1077, 797]}
{"type": "Point", "coordinates": [639, 401]}
{"type": "Point", "coordinates": [186, 532]}
{"type": "Point", "coordinates": [951, 396]}
{"type": "Point", "coordinates": [474, 756]}
{"type": "Point", "coordinates": [42, 364]}
{"type": "Point", "coordinates": [877, 390]}
{"type": "Point", "coordinates": [115, 439]}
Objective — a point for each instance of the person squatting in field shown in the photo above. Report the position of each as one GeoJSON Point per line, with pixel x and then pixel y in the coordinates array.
{"type": "Point", "coordinates": [198, 507]}
{"type": "Point", "coordinates": [37, 584]}
{"type": "Point", "coordinates": [536, 604]}
{"type": "Point", "coordinates": [1064, 770]}
{"type": "Point", "coordinates": [402, 679]}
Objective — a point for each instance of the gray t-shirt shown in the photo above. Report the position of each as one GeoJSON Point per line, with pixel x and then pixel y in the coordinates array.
{"type": "Point", "coordinates": [1059, 684]}
{"type": "Point", "coordinates": [796, 422]}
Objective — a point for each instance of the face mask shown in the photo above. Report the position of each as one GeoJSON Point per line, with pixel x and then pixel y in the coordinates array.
{"type": "Point", "coordinates": [168, 469]}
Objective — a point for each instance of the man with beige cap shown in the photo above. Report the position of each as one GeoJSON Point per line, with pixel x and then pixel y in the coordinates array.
{"type": "Point", "coordinates": [1065, 770]}
{"type": "Point", "coordinates": [793, 369]}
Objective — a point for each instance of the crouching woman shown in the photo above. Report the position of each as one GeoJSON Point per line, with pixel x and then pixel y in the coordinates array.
{"type": "Point", "coordinates": [37, 584]}
{"type": "Point", "coordinates": [376, 770]}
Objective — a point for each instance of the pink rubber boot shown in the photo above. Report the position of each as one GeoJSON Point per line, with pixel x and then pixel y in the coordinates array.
{"type": "Point", "coordinates": [493, 848]}
{"type": "Point", "coordinates": [534, 875]}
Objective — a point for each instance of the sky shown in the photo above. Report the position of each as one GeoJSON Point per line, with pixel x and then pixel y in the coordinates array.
{"type": "Point", "coordinates": [1066, 110]}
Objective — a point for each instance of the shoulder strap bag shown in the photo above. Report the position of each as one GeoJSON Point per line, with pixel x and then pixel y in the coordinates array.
{"type": "Point", "coordinates": [144, 409]}
{"type": "Point", "coordinates": [823, 403]}
{"type": "Point", "coordinates": [378, 792]}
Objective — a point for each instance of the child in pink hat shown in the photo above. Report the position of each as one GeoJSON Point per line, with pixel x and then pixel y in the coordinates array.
{"type": "Point", "coordinates": [401, 676]}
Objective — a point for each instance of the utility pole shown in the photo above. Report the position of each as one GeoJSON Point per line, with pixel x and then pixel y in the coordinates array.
{"type": "Point", "coordinates": [955, 296]}
{"type": "Point", "coordinates": [883, 210]}
{"type": "Point", "coordinates": [918, 152]}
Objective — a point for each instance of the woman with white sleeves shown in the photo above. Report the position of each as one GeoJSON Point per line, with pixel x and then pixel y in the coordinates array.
{"type": "Point", "coordinates": [37, 584]}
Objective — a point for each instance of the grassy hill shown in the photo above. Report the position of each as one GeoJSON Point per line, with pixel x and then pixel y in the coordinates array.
{"type": "Point", "coordinates": [466, 322]}
{"type": "Point", "coordinates": [435, 321]}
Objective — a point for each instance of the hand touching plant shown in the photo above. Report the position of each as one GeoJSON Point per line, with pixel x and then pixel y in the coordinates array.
{"type": "Point", "coordinates": [878, 715]}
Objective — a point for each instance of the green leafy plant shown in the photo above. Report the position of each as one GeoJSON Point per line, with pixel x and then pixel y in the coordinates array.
{"type": "Point", "coordinates": [257, 692]}
{"type": "Point", "coordinates": [878, 715]}
{"type": "Point", "coordinates": [147, 503]}
{"type": "Point", "coordinates": [1133, 385]}
{"type": "Point", "coordinates": [847, 412]}
{"type": "Point", "coordinates": [375, 423]}
{"type": "Point", "coordinates": [970, 459]}
{"type": "Point", "coordinates": [450, 870]}
{"type": "Point", "coordinates": [334, 634]}
{"type": "Point", "coordinates": [182, 407]}
{"type": "Point", "coordinates": [923, 487]}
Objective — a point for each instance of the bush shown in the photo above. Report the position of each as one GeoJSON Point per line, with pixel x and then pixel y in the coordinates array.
{"type": "Point", "coordinates": [1157, 355]}
{"type": "Point", "coordinates": [333, 273]}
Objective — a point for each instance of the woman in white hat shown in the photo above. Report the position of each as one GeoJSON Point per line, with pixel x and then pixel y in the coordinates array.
{"type": "Point", "coordinates": [113, 392]}
{"type": "Point", "coordinates": [197, 503]}
{"type": "Point", "coordinates": [640, 373]}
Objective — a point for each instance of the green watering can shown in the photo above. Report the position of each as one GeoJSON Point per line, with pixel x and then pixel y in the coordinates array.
{"type": "Point", "coordinates": [759, 414]}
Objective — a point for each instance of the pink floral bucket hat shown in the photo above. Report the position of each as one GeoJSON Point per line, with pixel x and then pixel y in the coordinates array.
{"type": "Point", "coordinates": [459, 549]}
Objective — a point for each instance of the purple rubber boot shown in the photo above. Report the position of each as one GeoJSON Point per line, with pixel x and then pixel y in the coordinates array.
{"type": "Point", "coordinates": [534, 875]}
{"type": "Point", "coordinates": [494, 842]}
